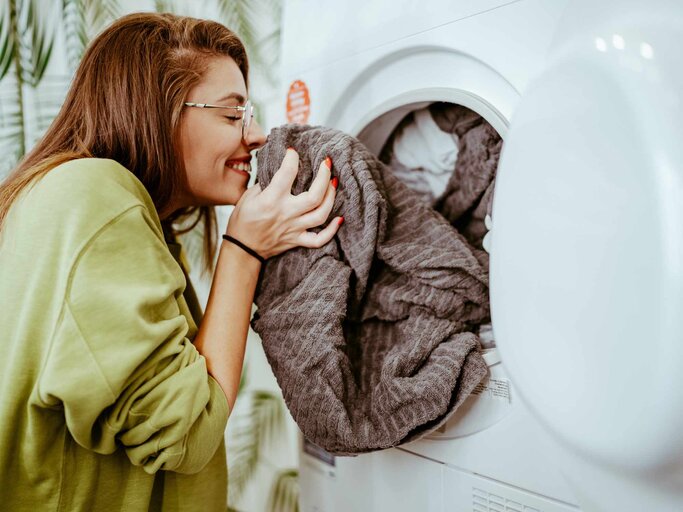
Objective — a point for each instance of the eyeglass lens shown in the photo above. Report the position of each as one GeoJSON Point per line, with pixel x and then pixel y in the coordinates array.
{"type": "Point", "coordinates": [246, 119]}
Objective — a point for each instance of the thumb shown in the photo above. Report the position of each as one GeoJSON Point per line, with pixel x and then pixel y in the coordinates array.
{"type": "Point", "coordinates": [251, 191]}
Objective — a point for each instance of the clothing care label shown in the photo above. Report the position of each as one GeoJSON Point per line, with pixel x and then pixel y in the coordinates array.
{"type": "Point", "coordinates": [298, 102]}
{"type": "Point", "coordinates": [498, 389]}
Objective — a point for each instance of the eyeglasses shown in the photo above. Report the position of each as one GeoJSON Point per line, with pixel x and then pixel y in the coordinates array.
{"type": "Point", "coordinates": [247, 111]}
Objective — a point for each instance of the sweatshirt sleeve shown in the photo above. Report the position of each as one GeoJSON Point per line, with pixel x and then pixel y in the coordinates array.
{"type": "Point", "coordinates": [120, 364]}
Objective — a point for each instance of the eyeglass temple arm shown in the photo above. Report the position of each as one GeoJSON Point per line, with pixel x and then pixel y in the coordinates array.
{"type": "Point", "coordinates": [207, 105]}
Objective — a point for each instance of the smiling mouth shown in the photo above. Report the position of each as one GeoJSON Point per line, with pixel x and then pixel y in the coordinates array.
{"type": "Point", "coordinates": [243, 167]}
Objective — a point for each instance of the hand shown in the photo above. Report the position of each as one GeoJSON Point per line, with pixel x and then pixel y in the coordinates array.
{"type": "Point", "coordinates": [272, 221]}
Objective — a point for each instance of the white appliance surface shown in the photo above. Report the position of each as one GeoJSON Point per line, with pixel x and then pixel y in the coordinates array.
{"type": "Point", "coordinates": [586, 242]}
{"type": "Point", "coordinates": [597, 210]}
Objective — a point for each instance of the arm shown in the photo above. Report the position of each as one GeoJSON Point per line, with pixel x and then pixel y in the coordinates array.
{"type": "Point", "coordinates": [269, 221]}
{"type": "Point", "coordinates": [223, 332]}
{"type": "Point", "coordinates": [120, 364]}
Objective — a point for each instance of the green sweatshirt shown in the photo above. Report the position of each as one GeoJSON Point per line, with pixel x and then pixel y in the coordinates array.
{"type": "Point", "coordinates": [105, 404]}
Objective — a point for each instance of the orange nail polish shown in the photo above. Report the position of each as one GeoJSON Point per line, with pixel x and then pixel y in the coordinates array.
{"type": "Point", "coordinates": [340, 221]}
{"type": "Point", "coordinates": [328, 162]}
{"type": "Point", "coordinates": [335, 182]}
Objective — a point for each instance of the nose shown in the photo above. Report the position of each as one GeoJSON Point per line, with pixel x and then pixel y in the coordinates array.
{"type": "Point", "coordinates": [255, 137]}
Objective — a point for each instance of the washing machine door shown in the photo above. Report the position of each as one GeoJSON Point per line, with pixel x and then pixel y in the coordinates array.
{"type": "Point", "coordinates": [587, 239]}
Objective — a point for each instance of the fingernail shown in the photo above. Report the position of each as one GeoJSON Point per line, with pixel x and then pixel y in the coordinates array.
{"type": "Point", "coordinates": [340, 221]}
{"type": "Point", "coordinates": [291, 148]}
{"type": "Point", "coordinates": [328, 162]}
{"type": "Point", "coordinates": [335, 182]}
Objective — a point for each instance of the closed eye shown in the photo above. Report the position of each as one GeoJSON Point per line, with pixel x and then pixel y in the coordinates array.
{"type": "Point", "coordinates": [232, 118]}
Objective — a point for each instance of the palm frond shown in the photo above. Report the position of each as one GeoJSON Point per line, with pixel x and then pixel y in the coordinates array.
{"type": "Point", "coordinates": [284, 495]}
{"type": "Point", "coordinates": [98, 14]}
{"type": "Point", "coordinates": [252, 428]}
{"type": "Point", "coordinates": [45, 105]}
{"type": "Point", "coordinates": [8, 42]}
{"type": "Point", "coordinates": [163, 6]}
{"type": "Point", "coordinates": [10, 126]}
{"type": "Point", "coordinates": [184, 8]}
{"type": "Point", "coordinates": [257, 25]}
{"type": "Point", "coordinates": [270, 413]}
{"type": "Point", "coordinates": [112, 8]}
{"type": "Point", "coordinates": [269, 49]}
{"type": "Point", "coordinates": [14, 126]}
{"type": "Point", "coordinates": [74, 27]}
{"type": "Point", "coordinates": [244, 378]}
{"type": "Point", "coordinates": [37, 38]}
{"type": "Point", "coordinates": [241, 17]}
{"type": "Point", "coordinates": [228, 14]}
{"type": "Point", "coordinates": [11, 134]}
{"type": "Point", "coordinates": [12, 153]}
{"type": "Point", "coordinates": [274, 7]}
{"type": "Point", "coordinates": [246, 19]}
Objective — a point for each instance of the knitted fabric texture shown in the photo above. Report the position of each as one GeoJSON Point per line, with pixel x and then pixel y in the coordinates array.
{"type": "Point", "coordinates": [469, 193]}
{"type": "Point", "coordinates": [370, 337]}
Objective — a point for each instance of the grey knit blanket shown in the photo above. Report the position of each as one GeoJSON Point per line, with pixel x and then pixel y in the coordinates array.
{"type": "Point", "coordinates": [469, 193]}
{"type": "Point", "coordinates": [370, 337]}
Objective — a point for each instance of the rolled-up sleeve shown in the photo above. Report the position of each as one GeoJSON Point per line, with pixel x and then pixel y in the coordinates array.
{"type": "Point", "coordinates": [120, 363]}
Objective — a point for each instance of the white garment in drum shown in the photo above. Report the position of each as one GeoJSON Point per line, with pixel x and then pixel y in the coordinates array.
{"type": "Point", "coordinates": [424, 156]}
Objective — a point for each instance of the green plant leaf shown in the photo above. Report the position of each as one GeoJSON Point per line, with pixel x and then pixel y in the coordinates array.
{"type": "Point", "coordinates": [257, 25]}
{"type": "Point", "coordinates": [37, 36]}
{"type": "Point", "coordinates": [8, 43]}
{"type": "Point", "coordinates": [73, 17]}
{"type": "Point", "coordinates": [252, 428]}
{"type": "Point", "coordinates": [254, 23]}
{"type": "Point", "coordinates": [14, 129]}
{"type": "Point", "coordinates": [243, 378]}
{"type": "Point", "coordinates": [97, 14]}
{"type": "Point", "coordinates": [163, 6]}
{"type": "Point", "coordinates": [284, 494]}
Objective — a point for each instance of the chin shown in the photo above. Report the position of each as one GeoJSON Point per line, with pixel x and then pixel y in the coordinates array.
{"type": "Point", "coordinates": [227, 195]}
{"type": "Point", "coordinates": [230, 199]}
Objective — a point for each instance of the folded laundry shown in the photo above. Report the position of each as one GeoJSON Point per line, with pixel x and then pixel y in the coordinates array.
{"type": "Point", "coordinates": [371, 337]}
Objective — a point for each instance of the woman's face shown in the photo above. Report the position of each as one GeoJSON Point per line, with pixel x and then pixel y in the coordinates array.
{"type": "Point", "coordinates": [214, 153]}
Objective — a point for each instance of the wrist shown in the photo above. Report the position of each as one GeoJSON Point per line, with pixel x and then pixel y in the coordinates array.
{"type": "Point", "coordinates": [244, 247]}
{"type": "Point", "coordinates": [237, 254]}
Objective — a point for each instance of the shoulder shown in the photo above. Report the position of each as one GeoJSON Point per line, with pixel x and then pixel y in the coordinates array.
{"type": "Point", "coordinates": [89, 191]}
{"type": "Point", "coordinates": [99, 181]}
{"type": "Point", "coordinates": [77, 199]}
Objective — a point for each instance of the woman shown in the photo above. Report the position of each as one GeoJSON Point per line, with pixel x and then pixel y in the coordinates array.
{"type": "Point", "coordinates": [111, 398]}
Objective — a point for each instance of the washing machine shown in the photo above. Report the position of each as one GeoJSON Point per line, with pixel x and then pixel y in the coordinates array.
{"type": "Point", "coordinates": [581, 408]}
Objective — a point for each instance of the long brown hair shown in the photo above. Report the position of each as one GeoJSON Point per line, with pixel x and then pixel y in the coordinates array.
{"type": "Point", "coordinates": [125, 103]}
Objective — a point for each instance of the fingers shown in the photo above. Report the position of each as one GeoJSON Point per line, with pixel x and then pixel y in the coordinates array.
{"type": "Point", "coordinates": [283, 179]}
{"type": "Point", "coordinates": [251, 191]}
{"type": "Point", "coordinates": [307, 201]}
{"type": "Point", "coordinates": [254, 190]}
{"type": "Point", "coordinates": [317, 240]}
{"type": "Point", "coordinates": [319, 215]}
{"type": "Point", "coordinates": [321, 183]}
